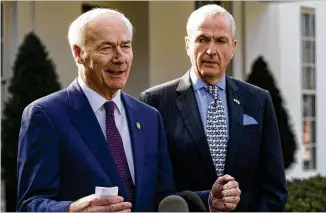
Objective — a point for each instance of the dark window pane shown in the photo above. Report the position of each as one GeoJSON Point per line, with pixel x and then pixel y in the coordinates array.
{"type": "Point", "coordinates": [305, 24]}
{"type": "Point", "coordinates": [309, 157]}
{"type": "Point", "coordinates": [309, 105]}
{"type": "Point", "coordinates": [313, 25]}
{"type": "Point", "coordinates": [308, 78]}
{"type": "Point", "coordinates": [308, 51]}
{"type": "Point", "coordinates": [313, 52]}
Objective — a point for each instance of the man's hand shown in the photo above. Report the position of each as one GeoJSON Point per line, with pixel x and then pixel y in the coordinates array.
{"type": "Point", "coordinates": [94, 203]}
{"type": "Point", "coordinates": [225, 194]}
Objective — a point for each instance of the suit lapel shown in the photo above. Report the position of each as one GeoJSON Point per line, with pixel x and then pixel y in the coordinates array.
{"type": "Point", "coordinates": [138, 138]}
{"type": "Point", "coordinates": [235, 109]}
{"type": "Point", "coordinates": [85, 121]}
{"type": "Point", "coordinates": [188, 109]}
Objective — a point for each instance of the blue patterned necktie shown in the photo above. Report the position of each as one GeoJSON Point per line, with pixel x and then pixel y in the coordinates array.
{"type": "Point", "coordinates": [216, 130]}
{"type": "Point", "coordinates": [114, 140]}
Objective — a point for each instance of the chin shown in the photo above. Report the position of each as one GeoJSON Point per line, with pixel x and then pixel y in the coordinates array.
{"type": "Point", "coordinates": [209, 72]}
{"type": "Point", "coordinates": [117, 85]}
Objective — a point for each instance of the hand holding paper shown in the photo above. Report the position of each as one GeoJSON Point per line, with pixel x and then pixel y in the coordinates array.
{"type": "Point", "coordinates": [101, 191]}
{"type": "Point", "coordinates": [105, 199]}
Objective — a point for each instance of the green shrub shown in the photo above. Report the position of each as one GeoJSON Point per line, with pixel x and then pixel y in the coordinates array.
{"type": "Point", "coordinates": [262, 76]}
{"type": "Point", "coordinates": [307, 195]}
{"type": "Point", "coordinates": [33, 77]}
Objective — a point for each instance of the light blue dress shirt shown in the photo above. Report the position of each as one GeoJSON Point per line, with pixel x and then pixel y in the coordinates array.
{"type": "Point", "coordinates": [204, 98]}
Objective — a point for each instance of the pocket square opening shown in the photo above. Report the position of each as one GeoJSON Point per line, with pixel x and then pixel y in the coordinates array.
{"type": "Point", "coordinates": [248, 120]}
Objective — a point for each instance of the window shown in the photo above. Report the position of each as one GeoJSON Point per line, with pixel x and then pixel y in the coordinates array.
{"type": "Point", "coordinates": [308, 87]}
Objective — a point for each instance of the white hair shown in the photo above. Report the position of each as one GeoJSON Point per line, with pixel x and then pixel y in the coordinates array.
{"type": "Point", "coordinates": [76, 29]}
{"type": "Point", "coordinates": [205, 11]}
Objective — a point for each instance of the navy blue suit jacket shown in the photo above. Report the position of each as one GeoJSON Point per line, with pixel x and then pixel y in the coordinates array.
{"type": "Point", "coordinates": [254, 155]}
{"type": "Point", "coordinates": [63, 153]}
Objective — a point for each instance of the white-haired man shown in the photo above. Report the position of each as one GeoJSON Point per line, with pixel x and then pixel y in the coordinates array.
{"type": "Point", "coordinates": [220, 130]}
{"type": "Point", "coordinates": [92, 134]}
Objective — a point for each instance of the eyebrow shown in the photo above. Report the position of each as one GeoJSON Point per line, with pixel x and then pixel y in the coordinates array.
{"type": "Point", "coordinates": [111, 43]}
{"type": "Point", "coordinates": [202, 35]}
{"type": "Point", "coordinates": [209, 37]}
{"type": "Point", "coordinates": [126, 42]}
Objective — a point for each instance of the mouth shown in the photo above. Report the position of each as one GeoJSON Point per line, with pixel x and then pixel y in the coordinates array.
{"type": "Point", "coordinates": [210, 62]}
{"type": "Point", "coordinates": [115, 73]}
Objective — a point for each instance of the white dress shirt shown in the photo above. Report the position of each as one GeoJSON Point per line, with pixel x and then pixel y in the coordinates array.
{"type": "Point", "coordinates": [97, 101]}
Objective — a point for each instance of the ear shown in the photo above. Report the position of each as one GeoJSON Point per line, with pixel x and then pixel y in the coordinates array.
{"type": "Point", "coordinates": [78, 54]}
{"type": "Point", "coordinates": [187, 42]}
{"type": "Point", "coordinates": [234, 45]}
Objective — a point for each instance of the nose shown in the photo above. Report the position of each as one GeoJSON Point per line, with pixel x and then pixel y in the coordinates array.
{"type": "Point", "coordinates": [211, 49]}
{"type": "Point", "coordinates": [118, 57]}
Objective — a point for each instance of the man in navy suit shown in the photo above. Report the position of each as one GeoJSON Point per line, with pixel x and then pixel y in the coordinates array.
{"type": "Point", "coordinates": [93, 134]}
{"type": "Point", "coordinates": [217, 125]}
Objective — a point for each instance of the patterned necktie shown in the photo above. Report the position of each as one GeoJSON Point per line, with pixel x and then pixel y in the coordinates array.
{"type": "Point", "coordinates": [114, 140]}
{"type": "Point", "coordinates": [217, 133]}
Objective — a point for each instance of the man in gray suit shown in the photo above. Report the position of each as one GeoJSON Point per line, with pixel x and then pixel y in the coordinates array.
{"type": "Point", "coordinates": [217, 125]}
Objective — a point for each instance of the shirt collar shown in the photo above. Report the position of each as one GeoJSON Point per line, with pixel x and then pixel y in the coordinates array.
{"type": "Point", "coordinates": [198, 83]}
{"type": "Point", "coordinates": [96, 100]}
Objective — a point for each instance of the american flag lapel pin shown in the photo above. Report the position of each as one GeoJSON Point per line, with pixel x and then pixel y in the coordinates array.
{"type": "Point", "coordinates": [138, 125]}
{"type": "Point", "coordinates": [237, 101]}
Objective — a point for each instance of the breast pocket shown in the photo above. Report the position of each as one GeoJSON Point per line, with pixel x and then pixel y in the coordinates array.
{"type": "Point", "coordinates": [251, 134]}
{"type": "Point", "coordinates": [249, 147]}
{"type": "Point", "coordinates": [252, 128]}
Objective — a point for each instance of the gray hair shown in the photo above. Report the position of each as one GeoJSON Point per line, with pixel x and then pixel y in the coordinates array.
{"type": "Point", "coordinates": [206, 11]}
{"type": "Point", "coordinates": [76, 29]}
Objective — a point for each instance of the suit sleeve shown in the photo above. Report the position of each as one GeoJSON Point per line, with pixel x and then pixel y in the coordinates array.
{"type": "Point", "coordinates": [38, 163]}
{"type": "Point", "coordinates": [271, 169]}
{"type": "Point", "coordinates": [165, 183]}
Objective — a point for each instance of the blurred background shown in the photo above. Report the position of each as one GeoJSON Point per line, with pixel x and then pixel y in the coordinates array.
{"type": "Point", "coordinates": [281, 48]}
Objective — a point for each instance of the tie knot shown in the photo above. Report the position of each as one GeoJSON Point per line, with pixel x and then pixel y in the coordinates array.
{"type": "Point", "coordinates": [109, 108]}
{"type": "Point", "coordinates": [213, 90]}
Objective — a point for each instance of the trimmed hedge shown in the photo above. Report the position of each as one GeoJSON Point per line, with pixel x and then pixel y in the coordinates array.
{"type": "Point", "coordinates": [307, 195]}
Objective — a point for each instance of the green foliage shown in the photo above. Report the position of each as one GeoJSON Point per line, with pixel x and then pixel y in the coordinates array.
{"type": "Point", "coordinates": [262, 77]}
{"type": "Point", "coordinates": [33, 77]}
{"type": "Point", "coordinates": [307, 195]}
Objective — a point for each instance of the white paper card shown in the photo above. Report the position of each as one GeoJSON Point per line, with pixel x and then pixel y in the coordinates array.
{"type": "Point", "coordinates": [101, 191]}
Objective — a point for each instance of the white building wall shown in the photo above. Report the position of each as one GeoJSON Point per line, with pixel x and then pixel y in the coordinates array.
{"type": "Point", "coordinates": [290, 58]}
{"type": "Point", "coordinates": [262, 34]}
{"type": "Point", "coordinates": [273, 29]}
{"type": "Point", "coordinates": [290, 84]}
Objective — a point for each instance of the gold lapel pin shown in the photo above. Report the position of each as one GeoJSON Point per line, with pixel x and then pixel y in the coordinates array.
{"type": "Point", "coordinates": [237, 101]}
{"type": "Point", "coordinates": [138, 125]}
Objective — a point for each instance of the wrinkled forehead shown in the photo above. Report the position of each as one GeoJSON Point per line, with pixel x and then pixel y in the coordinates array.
{"type": "Point", "coordinates": [107, 28]}
{"type": "Point", "coordinates": [218, 23]}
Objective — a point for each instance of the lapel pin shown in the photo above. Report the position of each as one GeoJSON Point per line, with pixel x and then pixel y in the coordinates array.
{"type": "Point", "coordinates": [237, 101]}
{"type": "Point", "coordinates": [138, 125]}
